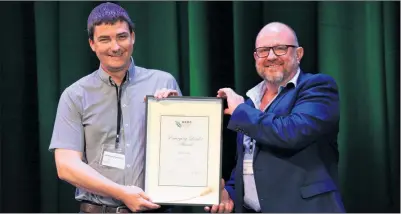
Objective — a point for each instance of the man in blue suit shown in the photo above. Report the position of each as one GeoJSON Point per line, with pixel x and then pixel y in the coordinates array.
{"type": "Point", "coordinates": [287, 155]}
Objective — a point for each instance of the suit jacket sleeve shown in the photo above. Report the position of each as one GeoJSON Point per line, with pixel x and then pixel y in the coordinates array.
{"type": "Point", "coordinates": [230, 185]}
{"type": "Point", "coordinates": [315, 114]}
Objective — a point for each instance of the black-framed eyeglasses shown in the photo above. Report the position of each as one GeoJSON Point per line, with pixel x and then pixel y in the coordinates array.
{"type": "Point", "coordinates": [278, 50]}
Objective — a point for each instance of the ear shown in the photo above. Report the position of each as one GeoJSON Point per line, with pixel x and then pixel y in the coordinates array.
{"type": "Point", "coordinates": [133, 37]}
{"type": "Point", "coordinates": [300, 54]}
{"type": "Point", "coordinates": [255, 56]}
{"type": "Point", "coordinates": [92, 45]}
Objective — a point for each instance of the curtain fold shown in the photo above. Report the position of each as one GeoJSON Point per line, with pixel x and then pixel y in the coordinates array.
{"type": "Point", "coordinates": [198, 48]}
{"type": "Point", "coordinates": [48, 90]}
{"type": "Point", "coordinates": [205, 46]}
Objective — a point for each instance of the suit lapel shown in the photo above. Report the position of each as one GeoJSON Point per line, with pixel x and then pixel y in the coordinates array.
{"type": "Point", "coordinates": [250, 103]}
{"type": "Point", "coordinates": [283, 93]}
{"type": "Point", "coordinates": [277, 101]}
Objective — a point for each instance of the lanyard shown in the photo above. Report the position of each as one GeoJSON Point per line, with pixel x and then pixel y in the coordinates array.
{"type": "Point", "coordinates": [250, 146]}
{"type": "Point", "coordinates": [119, 111]}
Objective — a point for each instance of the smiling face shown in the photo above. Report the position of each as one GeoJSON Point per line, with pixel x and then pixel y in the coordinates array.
{"type": "Point", "coordinates": [113, 45]}
{"type": "Point", "coordinates": [277, 69]}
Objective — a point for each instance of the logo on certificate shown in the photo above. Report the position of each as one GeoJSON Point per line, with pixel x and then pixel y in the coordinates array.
{"type": "Point", "coordinates": [183, 124]}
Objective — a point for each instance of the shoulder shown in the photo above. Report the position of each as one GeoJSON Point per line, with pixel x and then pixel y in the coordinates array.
{"type": "Point", "coordinates": [75, 92]}
{"type": "Point", "coordinates": [153, 73]}
{"type": "Point", "coordinates": [311, 80]}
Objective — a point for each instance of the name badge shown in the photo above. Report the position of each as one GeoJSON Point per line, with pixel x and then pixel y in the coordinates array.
{"type": "Point", "coordinates": [113, 159]}
{"type": "Point", "coordinates": [248, 167]}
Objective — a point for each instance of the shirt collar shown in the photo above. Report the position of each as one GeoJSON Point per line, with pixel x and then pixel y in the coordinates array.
{"type": "Point", "coordinates": [105, 76]}
{"type": "Point", "coordinates": [256, 93]}
{"type": "Point", "coordinates": [294, 79]}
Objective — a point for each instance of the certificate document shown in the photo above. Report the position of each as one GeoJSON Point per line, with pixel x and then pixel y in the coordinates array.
{"type": "Point", "coordinates": [183, 150]}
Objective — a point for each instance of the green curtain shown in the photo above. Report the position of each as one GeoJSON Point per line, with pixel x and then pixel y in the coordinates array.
{"type": "Point", "coordinates": [206, 46]}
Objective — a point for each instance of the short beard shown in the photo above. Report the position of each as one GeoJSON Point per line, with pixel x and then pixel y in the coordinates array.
{"type": "Point", "coordinates": [274, 80]}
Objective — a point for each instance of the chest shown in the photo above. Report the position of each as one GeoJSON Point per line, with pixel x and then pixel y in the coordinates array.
{"type": "Point", "coordinates": [280, 104]}
{"type": "Point", "coordinates": [100, 110]}
{"type": "Point", "coordinates": [266, 100]}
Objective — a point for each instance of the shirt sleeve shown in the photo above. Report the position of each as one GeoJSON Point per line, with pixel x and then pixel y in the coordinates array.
{"type": "Point", "coordinates": [68, 130]}
{"type": "Point", "coordinates": [172, 84]}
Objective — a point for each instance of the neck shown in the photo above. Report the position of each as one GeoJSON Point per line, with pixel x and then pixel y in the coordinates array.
{"type": "Point", "coordinates": [271, 88]}
{"type": "Point", "coordinates": [117, 76]}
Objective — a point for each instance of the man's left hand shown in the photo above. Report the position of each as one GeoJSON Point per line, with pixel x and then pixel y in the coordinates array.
{"type": "Point", "coordinates": [226, 205]}
{"type": "Point", "coordinates": [233, 99]}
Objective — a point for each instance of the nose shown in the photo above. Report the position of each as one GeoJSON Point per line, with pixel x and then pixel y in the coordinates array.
{"type": "Point", "coordinates": [115, 46]}
{"type": "Point", "coordinates": [272, 55]}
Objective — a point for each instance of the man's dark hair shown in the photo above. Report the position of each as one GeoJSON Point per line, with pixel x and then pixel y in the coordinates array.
{"type": "Point", "coordinates": [107, 13]}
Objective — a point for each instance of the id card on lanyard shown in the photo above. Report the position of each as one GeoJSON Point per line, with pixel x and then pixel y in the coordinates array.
{"type": "Point", "coordinates": [114, 155]}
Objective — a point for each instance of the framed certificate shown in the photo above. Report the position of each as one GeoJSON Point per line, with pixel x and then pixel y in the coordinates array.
{"type": "Point", "coordinates": [183, 150]}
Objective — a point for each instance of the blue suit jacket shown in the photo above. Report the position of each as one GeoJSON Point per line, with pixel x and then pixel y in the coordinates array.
{"type": "Point", "coordinates": [296, 154]}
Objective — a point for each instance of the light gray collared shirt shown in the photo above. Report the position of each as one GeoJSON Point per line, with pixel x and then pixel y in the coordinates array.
{"type": "Point", "coordinates": [251, 199]}
{"type": "Point", "coordinates": [86, 122]}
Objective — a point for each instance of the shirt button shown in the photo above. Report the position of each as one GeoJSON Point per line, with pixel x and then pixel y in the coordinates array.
{"type": "Point", "coordinates": [126, 125]}
{"type": "Point", "coordinates": [124, 105]}
{"type": "Point", "coordinates": [128, 165]}
{"type": "Point", "coordinates": [127, 144]}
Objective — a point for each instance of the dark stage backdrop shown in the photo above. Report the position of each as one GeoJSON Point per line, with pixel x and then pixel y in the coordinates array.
{"type": "Point", "coordinates": [206, 46]}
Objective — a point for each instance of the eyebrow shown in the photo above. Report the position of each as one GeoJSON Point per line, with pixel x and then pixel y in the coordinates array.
{"type": "Point", "coordinates": [122, 34]}
{"type": "Point", "coordinates": [108, 37]}
{"type": "Point", "coordinates": [103, 37]}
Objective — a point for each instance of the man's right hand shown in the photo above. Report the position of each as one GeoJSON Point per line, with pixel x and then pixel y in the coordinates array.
{"type": "Point", "coordinates": [136, 200]}
{"type": "Point", "coordinates": [72, 169]}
